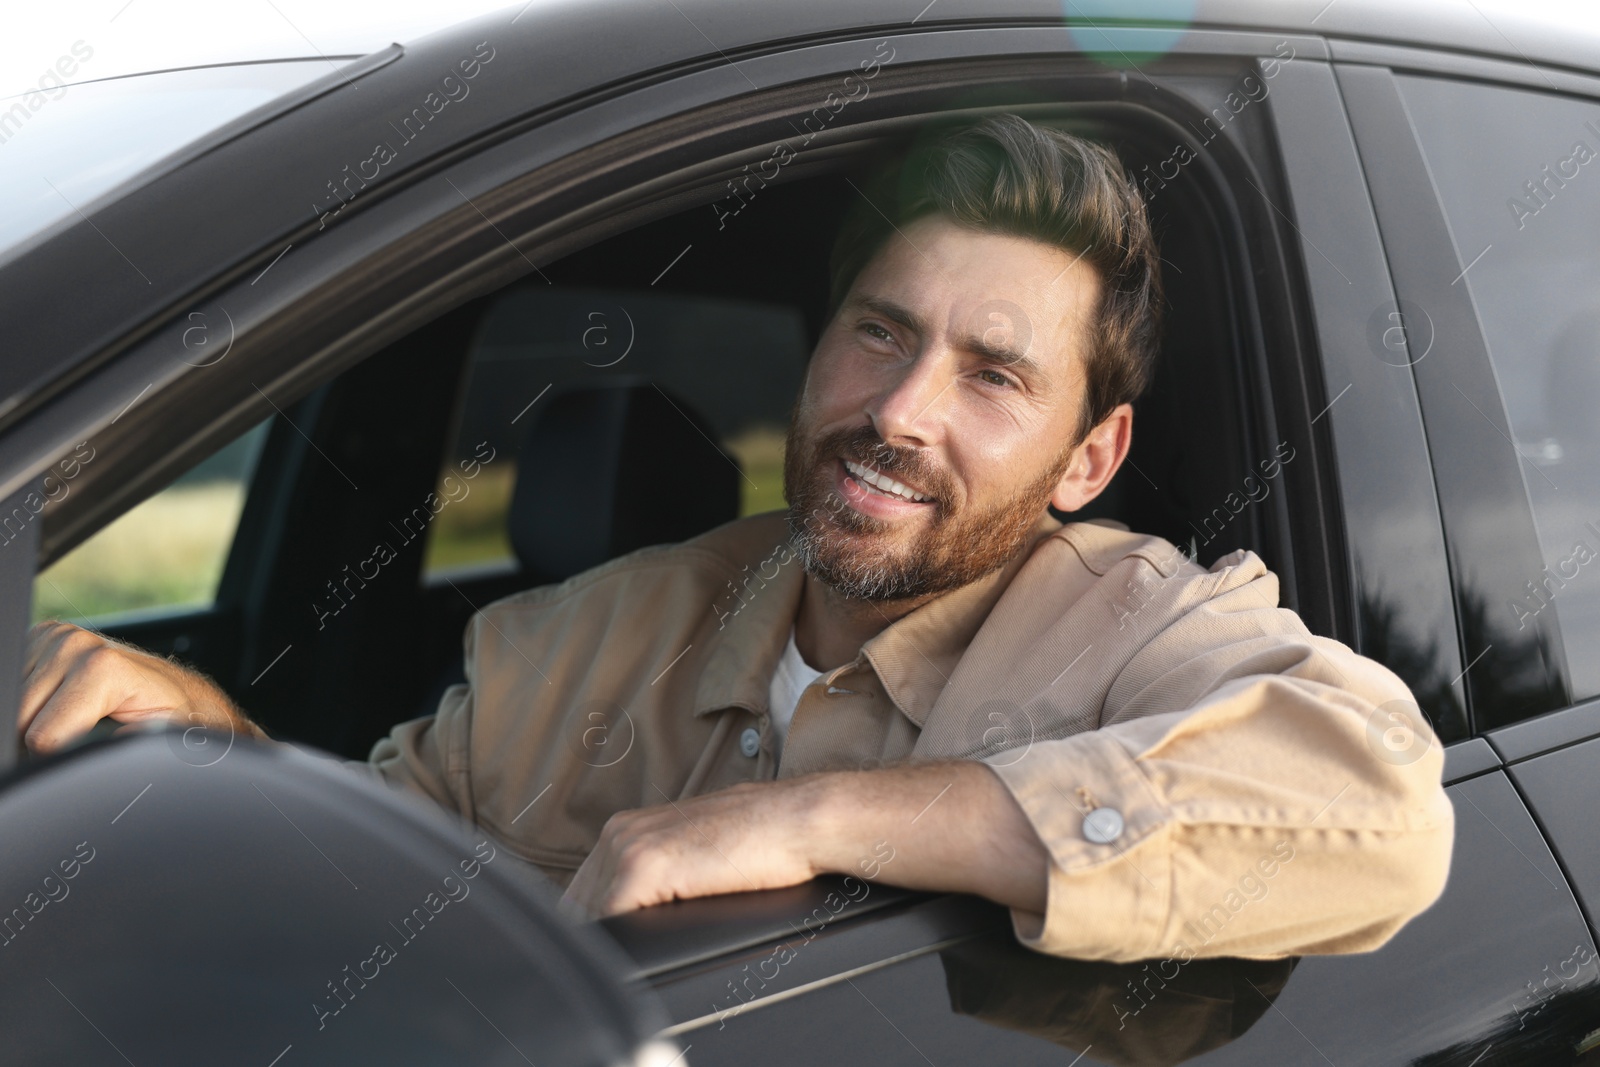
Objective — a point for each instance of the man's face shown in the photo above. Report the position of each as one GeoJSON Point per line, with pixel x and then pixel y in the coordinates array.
{"type": "Point", "coordinates": [940, 411]}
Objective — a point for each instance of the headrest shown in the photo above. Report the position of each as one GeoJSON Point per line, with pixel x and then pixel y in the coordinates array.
{"type": "Point", "coordinates": [604, 470]}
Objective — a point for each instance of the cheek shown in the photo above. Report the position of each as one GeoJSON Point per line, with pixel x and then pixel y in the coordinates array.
{"type": "Point", "coordinates": [994, 449]}
{"type": "Point", "coordinates": [987, 462]}
{"type": "Point", "coordinates": [839, 382]}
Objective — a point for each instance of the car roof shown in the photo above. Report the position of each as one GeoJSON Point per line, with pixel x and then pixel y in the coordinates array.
{"type": "Point", "coordinates": [1562, 36]}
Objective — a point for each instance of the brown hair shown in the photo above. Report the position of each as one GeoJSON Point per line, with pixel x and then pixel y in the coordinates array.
{"type": "Point", "coordinates": [1008, 176]}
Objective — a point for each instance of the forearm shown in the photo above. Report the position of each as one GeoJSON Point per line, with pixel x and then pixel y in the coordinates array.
{"type": "Point", "coordinates": [952, 827]}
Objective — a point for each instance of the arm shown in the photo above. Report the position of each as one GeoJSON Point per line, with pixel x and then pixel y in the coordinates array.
{"type": "Point", "coordinates": [1261, 822]}
{"type": "Point", "coordinates": [1267, 820]}
{"type": "Point", "coordinates": [73, 678]}
{"type": "Point", "coordinates": [1278, 793]}
{"type": "Point", "coordinates": [946, 826]}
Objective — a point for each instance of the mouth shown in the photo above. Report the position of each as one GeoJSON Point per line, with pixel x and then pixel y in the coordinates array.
{"type": "Point", "coordinates": [879, 484]}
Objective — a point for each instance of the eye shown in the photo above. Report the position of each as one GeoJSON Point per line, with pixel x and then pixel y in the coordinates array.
{"type": "Point", "coordinates": [994, 377]}
{"type": "Point", "coordinates": [876, 332]}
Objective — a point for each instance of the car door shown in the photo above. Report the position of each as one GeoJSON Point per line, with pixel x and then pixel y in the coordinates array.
{"type": "Point", "coordinates": [1460, 980]}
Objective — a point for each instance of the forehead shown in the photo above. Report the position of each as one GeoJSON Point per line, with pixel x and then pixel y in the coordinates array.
{"type": "Point", "coordinates": [963, 281]}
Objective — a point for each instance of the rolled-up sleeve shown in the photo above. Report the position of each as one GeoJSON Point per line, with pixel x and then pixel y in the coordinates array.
{"type": "Point", "coordinates": [1277, 794]}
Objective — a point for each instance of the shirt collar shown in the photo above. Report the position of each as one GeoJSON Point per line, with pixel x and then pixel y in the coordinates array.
{"type": "Point", "coordinates": [914, 656]}
{"type": "Point", "coordinates": [756, 612]}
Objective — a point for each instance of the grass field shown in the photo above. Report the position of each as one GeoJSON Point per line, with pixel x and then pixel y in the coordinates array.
{"type": "Point", "coordinates": [170, 550]}
{"type": "Point", "coordinates": [473, 529]}
{"type": "Point", "coordinates": [760, 454]}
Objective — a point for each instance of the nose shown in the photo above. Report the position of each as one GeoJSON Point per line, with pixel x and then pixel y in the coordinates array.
{"type": "Point", "coordinates": [908, 409]}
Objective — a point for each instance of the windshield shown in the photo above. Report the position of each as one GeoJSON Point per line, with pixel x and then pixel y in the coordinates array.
{"type": "Point", "coordinates": [62, 148]}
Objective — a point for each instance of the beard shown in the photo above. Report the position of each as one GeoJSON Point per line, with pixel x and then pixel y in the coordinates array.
{"type": "Point", "coordinates": [861, 557]}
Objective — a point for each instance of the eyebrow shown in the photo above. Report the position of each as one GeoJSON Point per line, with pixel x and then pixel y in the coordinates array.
{"type": "Point", "coordinates": [995, 355]}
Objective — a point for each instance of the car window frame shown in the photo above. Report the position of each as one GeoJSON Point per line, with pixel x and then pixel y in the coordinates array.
{"type": "Point", "coordinates": [16, 610]}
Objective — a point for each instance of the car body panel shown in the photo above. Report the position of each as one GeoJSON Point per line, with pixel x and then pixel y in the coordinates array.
{"type": "Point", "coordinates": [1561, 789]}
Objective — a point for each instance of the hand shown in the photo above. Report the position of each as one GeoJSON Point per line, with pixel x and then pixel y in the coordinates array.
{"type": "Point", "coordinates": [73, 678]}
{"type": "Point", "coordinates": [750, 836]}
{"type": "Point", "coordinates": [944, 826]}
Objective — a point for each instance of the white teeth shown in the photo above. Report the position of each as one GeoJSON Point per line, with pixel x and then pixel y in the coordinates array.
{"type": "Point", "coordinates": [883, 483]}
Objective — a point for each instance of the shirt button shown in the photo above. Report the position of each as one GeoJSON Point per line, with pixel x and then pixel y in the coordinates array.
{"type": "Point", "coordinates": [750, 741]}
{"type": "Point", "coordinates": [1102, 825]}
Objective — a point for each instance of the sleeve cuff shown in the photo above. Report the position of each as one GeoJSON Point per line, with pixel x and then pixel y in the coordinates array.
{"type": "Point", "coordinates": [1103, 899]}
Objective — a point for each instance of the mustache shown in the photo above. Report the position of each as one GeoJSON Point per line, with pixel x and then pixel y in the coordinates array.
{"type": "Point", "coordinates": [901, 462]}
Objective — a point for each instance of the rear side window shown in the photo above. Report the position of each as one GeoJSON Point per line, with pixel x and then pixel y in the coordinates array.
{"type": "Point", "coordinates": [1518, 173]}
{"type": "Point", "coordinates": [736, 364]}
{"type": "Point", "coordinates": [164, 555]}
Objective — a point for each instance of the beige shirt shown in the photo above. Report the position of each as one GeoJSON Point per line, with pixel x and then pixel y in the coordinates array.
{"type": "Point", "coordinates": [1276, 793]}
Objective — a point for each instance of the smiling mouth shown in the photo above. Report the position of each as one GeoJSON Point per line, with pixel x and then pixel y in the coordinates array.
{"type": "Point", "coordinates": [880, 483]}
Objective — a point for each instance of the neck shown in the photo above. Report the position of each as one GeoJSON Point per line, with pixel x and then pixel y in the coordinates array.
{"type": "Point", "coordinates": [830, 629]}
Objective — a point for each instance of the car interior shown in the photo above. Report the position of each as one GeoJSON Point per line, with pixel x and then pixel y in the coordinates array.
{"type": "Point", "coordinates": [630, 393]}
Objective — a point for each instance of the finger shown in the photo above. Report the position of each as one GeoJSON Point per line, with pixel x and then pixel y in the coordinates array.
{"type": "Point", "coordinates": [626, 892]}
{"type": "Point", "coordinates": [86, 695]}
{"type": "Point", "coordinates": [632, 895]}
{"type": "Point", "coordinates": [596, 879]}
{"type": "Point", "coordinates": [48, 666]}
{"type": "Point", "coordinates": [55, 650]}
{"type": "Point", "coordinates": [595, 874]}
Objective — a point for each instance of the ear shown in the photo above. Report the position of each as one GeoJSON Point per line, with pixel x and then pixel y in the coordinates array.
{"type": "Point", "coordinates": [1095, 460]}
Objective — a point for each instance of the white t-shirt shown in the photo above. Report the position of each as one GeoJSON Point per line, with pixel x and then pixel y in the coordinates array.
{"type": "Point", "coordinates": [789, 680]}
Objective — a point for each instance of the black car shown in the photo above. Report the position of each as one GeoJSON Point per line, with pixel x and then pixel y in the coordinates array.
{"type": "Point", "coordinates": [462, 296]}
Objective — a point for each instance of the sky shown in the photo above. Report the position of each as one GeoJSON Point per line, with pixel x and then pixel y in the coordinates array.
{"type": "Point", "coordinates": [127, 36]}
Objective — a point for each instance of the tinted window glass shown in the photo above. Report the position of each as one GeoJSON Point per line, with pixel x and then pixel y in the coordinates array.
{"type": "Point", "coordinates": [1518, 173]}
{"type": "Point", "coordinates": [736, 364]}
{"type": "Point", "coordinates": [167, 552]}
